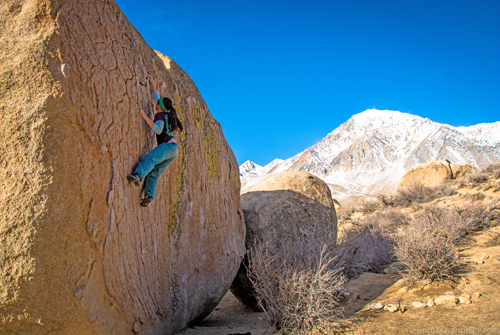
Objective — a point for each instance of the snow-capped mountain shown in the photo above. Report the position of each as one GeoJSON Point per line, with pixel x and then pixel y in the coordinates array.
{"type": "Point", "coordinates": [372, 150]}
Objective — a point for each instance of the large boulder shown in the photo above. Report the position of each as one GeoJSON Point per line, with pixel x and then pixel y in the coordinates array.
{"type": "Point", "coordinates": [434, 173]}
{"type": "Point", "coordinates": [460, 171]}
{"type": "Point", "coordinates": [78, 255]}
{"type": "Point", "coordinates": [279, 209]}
{"type": "Point", "coordinates": [428, 174]}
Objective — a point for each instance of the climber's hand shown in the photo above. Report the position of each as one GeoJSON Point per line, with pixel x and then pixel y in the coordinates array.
{"type": "Point", "coordinates": [150, 78]}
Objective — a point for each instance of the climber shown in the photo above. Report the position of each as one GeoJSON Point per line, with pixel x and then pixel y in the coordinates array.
{"type": "Point", "coordinates": [154, 163]}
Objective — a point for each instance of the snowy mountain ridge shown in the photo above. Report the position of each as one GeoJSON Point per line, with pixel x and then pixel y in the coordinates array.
{"type": "Point", "coordinates": [372, 150]}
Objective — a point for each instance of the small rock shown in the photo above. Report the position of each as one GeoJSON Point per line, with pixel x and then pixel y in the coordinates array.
{"type": "Point", "coordinates": [446, 300]}
{"type": "Point", "coordinates": [418, 304]}
{"type": "Point", "coordinates": [465, 299]}
{"type": "Point", "coordinates": [425, 282]}
{"type": "Point", "coordinates": [484, 256]}
{"type": "Point", "coordinates": [376, 306]}
{"type": "Point", "coordinates": [480, 261]}
{"type": "Point", "coordinates": [391, 308]}
{"type": "Point", "coordinates": [403, 290]}
{"type": "Point", "coordinates": [477, 295]}
{"type": "Point", "coordinates": [435, 284]}
{"type": "Point", "coordinates": [426, 287]}
{"type": "Point", "coordinates": [431, 303]}
{"type": "Point", "coordinates": [465, 281]}
{"type": "Point", "coordinates": [386, 271]}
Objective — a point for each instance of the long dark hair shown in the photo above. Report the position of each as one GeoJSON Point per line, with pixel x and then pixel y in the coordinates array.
{"type": "Point", "coordinates": [173, 120]}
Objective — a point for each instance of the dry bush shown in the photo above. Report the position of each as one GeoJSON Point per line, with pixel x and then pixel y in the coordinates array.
{"type": "Point", "coordinates": [367, 206]}
{"type": "Point", "coordinates": [418, 194]}
{"type": "Point", "coordinates": [425, 252]}
{"type": "Point", "coordinates": [363, 251]}
{"type": "Point", "coordinates": [457, 222]}
{"type": "Point", "coordinates": [493, 170]}
{"type": "Point", "coordinates": [296, 295]}
{"type": "Point", "coordinates": [387, 222]}
{"type": "Point", "coordinates": [415, 194]}
{"type": "Point", "coordinates": [345, 214]}
{"type": "Point", "coordinates": [386, 201]}
{"type": "Point", "coordinates": [477, 177]}
{"type": "Point", "coordinates": [426, 249]}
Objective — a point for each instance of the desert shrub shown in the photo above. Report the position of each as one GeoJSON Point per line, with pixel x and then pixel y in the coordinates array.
{"type": "Point", "coordinates": [368, 206]}
{"type": "Point", "coordinates": [493, 170]}
{"type": "Point", "coordinates": [443, 190]}
{"type": "Point", "coordinates": [415, 194]}
{"type": "Point", "coordinates": [387, 222]}
{"type": "Point", "coordinates": [296, 295]}
{"type": "Point", "coordinates": [418, 194]}
{"type": "Point", "coordinates": [477, 177]}
{"type": "Point", "coordinates": [363, 251]}
{"type": "Point", "coordinates": [346, 213]}
{"type": "Point", "coordinates": [478, 196]}
{"type": "Point", "coordinates": [456, 222]}
{"type": "Point", "coordinates": [426, 249]}
{"type": "Point", "coordinates": [385, 201]}
{"type": "Point", "coordinates": [425, 252]}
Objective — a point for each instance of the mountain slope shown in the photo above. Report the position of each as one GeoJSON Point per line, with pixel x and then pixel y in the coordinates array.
{"type": "Point", "coordinates": [373, 149]}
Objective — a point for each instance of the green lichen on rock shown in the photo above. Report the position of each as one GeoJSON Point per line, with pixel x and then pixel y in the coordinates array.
{"type": "Point", "coordinates": [234, 177]}
{"type": "Point", "coordinates": [204, 125]}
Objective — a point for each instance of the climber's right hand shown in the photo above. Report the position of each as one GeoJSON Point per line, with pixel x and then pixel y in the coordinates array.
{"type": "Point", "coordinates": [150, 78]}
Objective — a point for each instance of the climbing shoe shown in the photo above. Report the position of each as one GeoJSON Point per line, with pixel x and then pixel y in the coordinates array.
{"type": "Point", "coordinates": [146, 201]}
{"type": "Point", "coordinates": [134, 178]}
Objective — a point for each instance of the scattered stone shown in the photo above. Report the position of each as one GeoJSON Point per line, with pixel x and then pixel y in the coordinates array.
{"type": "Point", "coordinates": [431, 303]}
{"type": "Point", "coordinates": [386, 271]}
{"type": "Point", "coordinates": [484, 256]}
{"type": "Point", "coordinates": [426, 287]}
{"type": "Point", "coordinates": [477, 294]}
{"type": "Point", "coordinates": [391, 308]}
{"type": "Point", "coordinates": [465, 299]}
{"type": "Point", "coordinates": [425, 282]}
{"type": "Point", "coordinates": [465, 281]}
{"type": "Point", "coordinates": [403, 290]}
{"type": "Point", "coordinates": [435, 284]}
{"type": "Point", "coordinates": [418, 304]}
{"type": "Point", "coordinates": [480, 261]}
{"type": "Point", "coordinates": [376, 306]}
{"type": "Point", "coordinates": [446, 300]}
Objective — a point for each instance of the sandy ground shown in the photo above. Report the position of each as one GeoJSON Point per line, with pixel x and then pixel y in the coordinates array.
{"type": "Point", "coordinates": [231, 317]}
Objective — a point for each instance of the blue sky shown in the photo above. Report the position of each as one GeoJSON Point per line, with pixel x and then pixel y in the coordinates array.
{"type": "Point", "coordinates": [280, 75]}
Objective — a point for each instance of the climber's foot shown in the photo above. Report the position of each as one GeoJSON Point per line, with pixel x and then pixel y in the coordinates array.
{"type": "Point", "coordinates": [134, 178]}
{"type": "Point", "coordinates": [146, 201]}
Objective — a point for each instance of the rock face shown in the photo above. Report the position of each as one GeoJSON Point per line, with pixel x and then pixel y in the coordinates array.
{"type": "Point", "coordinates": [278, 208]}
{"type": "Point", "coordinates": [78, 255]}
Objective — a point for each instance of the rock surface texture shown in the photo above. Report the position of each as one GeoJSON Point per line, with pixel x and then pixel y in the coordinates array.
{"type": "Point", "coordinates": [277, 209]}
{"type": "Point", "coordinates": [78, 255]}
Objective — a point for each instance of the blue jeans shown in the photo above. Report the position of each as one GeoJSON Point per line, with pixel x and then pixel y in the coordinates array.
{"type": "Point", "coordinates": [154, 163]}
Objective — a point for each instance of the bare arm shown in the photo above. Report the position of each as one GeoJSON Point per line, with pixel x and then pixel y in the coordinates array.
{"type": "Point", "coordinates": [151, 81]}
{"type": "Point", "coordinates": [147, 119]}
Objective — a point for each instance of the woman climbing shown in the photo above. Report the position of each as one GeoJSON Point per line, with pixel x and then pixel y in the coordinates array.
{"type": "Point", "coordinates": [153, 164]}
